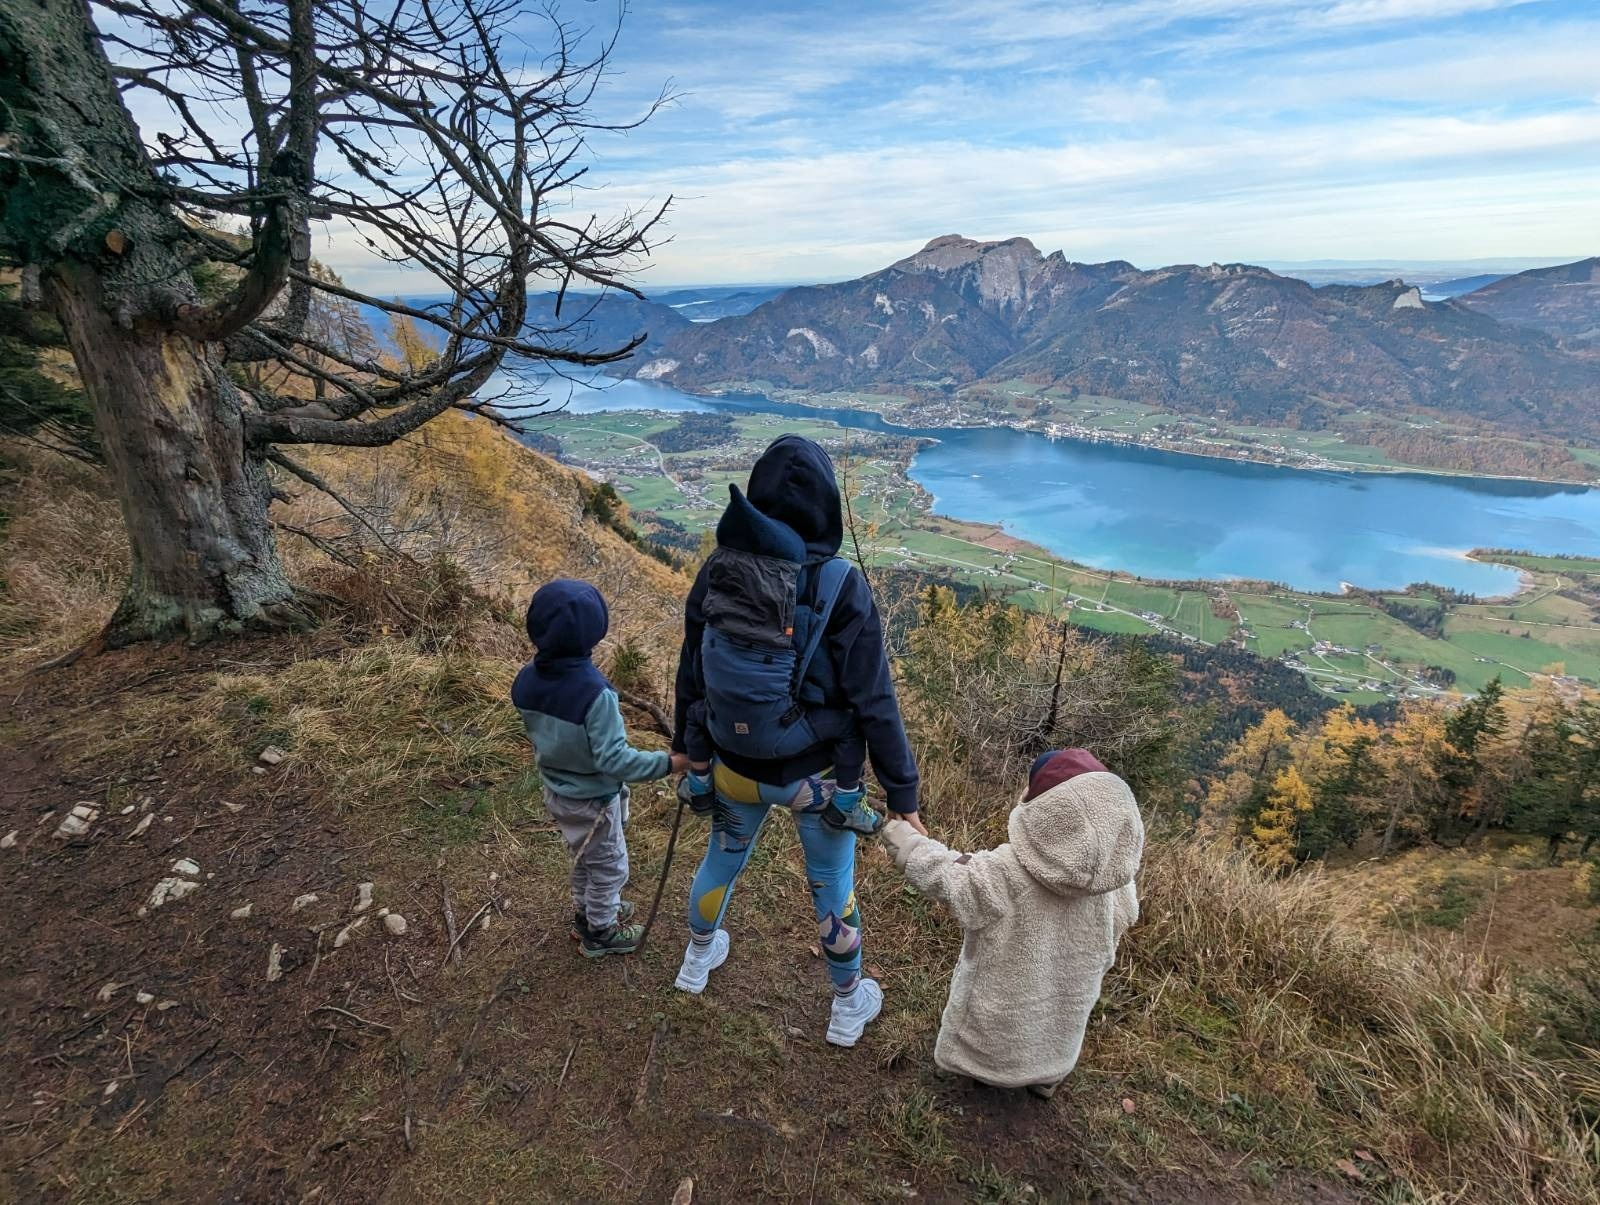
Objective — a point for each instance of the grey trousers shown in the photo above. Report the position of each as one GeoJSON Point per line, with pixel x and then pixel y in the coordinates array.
{"type": "Point", "coordinates": [600, 867]}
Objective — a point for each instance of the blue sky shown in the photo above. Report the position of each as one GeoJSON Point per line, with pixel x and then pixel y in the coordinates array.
{"type": "Point", "coordinates": [813, 141]}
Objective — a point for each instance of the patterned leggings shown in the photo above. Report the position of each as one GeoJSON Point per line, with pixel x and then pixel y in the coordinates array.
{"type": "Point", "coordinates": [741, 808]}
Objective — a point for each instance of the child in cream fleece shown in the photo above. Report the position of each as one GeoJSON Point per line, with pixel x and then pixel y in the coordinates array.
{"type": "Point", "coordinates": [1043, 914]}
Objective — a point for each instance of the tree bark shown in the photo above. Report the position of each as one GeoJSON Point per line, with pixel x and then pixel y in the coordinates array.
{"type": "Point", "coordinates": [81, 203]}
{"type": "Point", "coordinates": [194, 498]}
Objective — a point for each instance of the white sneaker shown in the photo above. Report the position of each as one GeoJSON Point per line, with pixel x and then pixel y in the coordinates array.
{"type": "Point", "coordinates": [851, 1013]}
{"type": "Point", "coordinates": [700, 961]}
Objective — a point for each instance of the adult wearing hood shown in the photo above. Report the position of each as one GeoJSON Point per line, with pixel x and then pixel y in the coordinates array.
{"type": "Point", "coordinates": [1043, 914]}
{"type": "Point", "coordinates": [791, 510]}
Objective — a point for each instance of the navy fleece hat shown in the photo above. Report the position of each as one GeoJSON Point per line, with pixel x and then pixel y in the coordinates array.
{"type": "Point", "coordinates": [1054, 768]}
{"type": "Point", "coordinates": [793, 482]}
{"type": "Point", "coordinates": [566, 619]}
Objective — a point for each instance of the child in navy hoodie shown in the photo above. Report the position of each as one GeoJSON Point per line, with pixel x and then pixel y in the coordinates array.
{"type": "Point", "coordinates": [585, 761]}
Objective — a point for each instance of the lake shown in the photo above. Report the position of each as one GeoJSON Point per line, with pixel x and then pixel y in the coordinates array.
{"type": "Point", "coordinates": [1168, 515]}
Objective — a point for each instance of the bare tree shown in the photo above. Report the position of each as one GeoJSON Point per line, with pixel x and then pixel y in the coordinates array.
{"type": "Point", "coordinates": [449, 135]}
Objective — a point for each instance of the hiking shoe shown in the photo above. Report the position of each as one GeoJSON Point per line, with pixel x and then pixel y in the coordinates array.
{"type": "Point", "coordinates": [618, 939]}
{"type": "Point", "coordinates": [700, 961]}
{"type": "Point", "coordinates": [850, 811]}
{"type": "Point", "coordinates": [696, 791]}
{"type": "Point", "coordinates": [580, 924]}
{"type": "Point", "coordinates": [851, 1013]}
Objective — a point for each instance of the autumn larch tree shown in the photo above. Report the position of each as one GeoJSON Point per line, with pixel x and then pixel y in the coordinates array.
{"type": "Point", "coordinates": [449, 136]}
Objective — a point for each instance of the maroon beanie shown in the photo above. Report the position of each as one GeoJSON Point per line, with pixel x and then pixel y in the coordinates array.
{"type": "Point", "coordinates": [1053, 769]}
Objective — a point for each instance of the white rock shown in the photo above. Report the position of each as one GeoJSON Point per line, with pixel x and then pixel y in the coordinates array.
{"type": "Point", "coordinates": [346, 933]}
{"type": "Point", "coordinates": [78, 821]}
{"type": "Point", "coordinates": [271, 755]}
{"type": "Point", "coordinates": [242, 912]}
{"type": "Point", "coordinates": [147, 803]}
{"type": "Point", "coordinates": [484, 923]}
{"type": "Point", "coordinates": [111, 1087]}
{"type": "Point", "coordinates": [235, 808]}
{"type": "Point", "coordinates": [166, 1004]}
{"type": "Point", "coordinates": [275, 963]}
{"type": "Point", "coordinates": [104, 994]}
{"type": "Point", "coordinates": [396, 924]}
{"type": "Point", "coordinates": [383, 912]}
{"type": "Point", "coordinates": [144, 997]}
{"type": "Point", "coordinates": [363, 897]}
{"type": "Point", "coordinates": [144, 823]}
{"type": "Point", "coordinates": [127, 811]}
{"type": "Point", "coordinates": [10, 839]}
{"type": "Point", "coordinates": [258, 769]}
{"type": "Point", "coordinates": [166, 820]}
{"type": "Point", "coordinates": [167, 890]}
{"type": "Point", "coordinates": [186, 866]}
{"type": "Point", "coordinates": [303, 901]}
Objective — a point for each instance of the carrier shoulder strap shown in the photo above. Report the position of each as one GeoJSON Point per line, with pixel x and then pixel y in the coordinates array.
{"type": "Point", "coordinates": [831, 576]}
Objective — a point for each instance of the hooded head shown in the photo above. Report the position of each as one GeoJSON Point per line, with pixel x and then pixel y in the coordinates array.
{"type": "Point", "coordinates": [1058, 766]}
{"type": "Point", "coordinates": [1082, 835]}
{"type": "Point", "coordinates": [793, 482]}
{"type": "Point", "coordinates": [566, 619]}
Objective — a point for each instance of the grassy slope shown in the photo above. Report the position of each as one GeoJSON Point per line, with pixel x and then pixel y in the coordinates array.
{"type": "Point", "coordinates": [1246, 1043]}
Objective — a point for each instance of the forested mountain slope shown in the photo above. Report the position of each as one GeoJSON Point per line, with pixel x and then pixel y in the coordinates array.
{"type": "Point", "coordinates": [1231, 340]}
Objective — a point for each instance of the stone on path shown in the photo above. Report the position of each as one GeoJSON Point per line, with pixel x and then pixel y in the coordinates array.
{"type": "Point", "coordinates": [177, 884]}
{"type": "Point", "coordinates": [395, 923]}
{"type": "Point", "coordinates": [363, 897]}
{"type": "Point", "coordinates": [271, 755]}
{"type": "Point", "coordinates": [349, 931]}
{"type": "Point", "coordinates": [143, 997]}
{"type": "Point", "coordinates": [684, 1193]}
{"type": "Point", "coordinates": [9, 840]}
{"type": "Point", "coordinates": [303, 901]}
{"type": "Point", "coordinates": [78, 821]}
{"type": "Point", "coordinates": [242, 912]}
{"type": "Point", "coordinates": [275, 963]}
{"type": "Point", "coordinates": [144, 823]}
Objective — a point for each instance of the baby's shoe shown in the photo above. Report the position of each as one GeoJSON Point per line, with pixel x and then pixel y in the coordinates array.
{"type": "Point", "coordinates": [849, 810]}
{"type": "Point", "coordinates": [580, 923]}
{"type": "Point", "coordinates": [696, 790]}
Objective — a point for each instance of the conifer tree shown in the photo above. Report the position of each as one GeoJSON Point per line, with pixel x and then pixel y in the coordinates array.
{"type": "Point", "coordinates": [1275, 835]}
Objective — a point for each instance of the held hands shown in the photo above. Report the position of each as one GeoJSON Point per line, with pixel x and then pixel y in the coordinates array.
{"type": "Point", "coordinates": [679, 762]}
{"type": "Point", "coordinates": [899, 837]}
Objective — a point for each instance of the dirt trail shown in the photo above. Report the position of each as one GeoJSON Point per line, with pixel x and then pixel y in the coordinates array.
{"type": "Point", "coordinates": [154, 1059]}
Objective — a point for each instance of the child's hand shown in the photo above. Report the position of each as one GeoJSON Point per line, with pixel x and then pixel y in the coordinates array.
{"type": "Point", "coordinates": [899, 838]}
{"type": "Point", "coordinates": [678, 762]}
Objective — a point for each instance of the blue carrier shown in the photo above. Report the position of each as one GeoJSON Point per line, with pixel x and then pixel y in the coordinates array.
{"type": "Point", "coordinates": [765, 619]}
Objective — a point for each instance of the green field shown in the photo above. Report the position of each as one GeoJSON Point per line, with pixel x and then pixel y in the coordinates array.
{"type": "Point", "coordinates": [1344, 645]}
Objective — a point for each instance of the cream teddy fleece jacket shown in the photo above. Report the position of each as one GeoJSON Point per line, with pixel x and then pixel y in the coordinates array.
{"type": "Point", "coordinates": [1043, 915]}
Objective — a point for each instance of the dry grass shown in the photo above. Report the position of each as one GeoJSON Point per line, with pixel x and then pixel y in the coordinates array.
{"type": "Point", "coordinates": [62, 559]}
{"type": "Point", "coordinates": [1248, 1012]}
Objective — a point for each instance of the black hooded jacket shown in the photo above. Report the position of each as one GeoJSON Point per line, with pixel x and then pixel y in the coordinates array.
{"type": "Point", "coordinates": [793, 482]}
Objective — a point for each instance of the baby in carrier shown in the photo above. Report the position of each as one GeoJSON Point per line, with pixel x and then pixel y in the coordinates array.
{"type": "Point", "coordinates": [767, 610]}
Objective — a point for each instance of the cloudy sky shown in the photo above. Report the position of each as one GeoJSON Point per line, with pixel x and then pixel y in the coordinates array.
{"type": "Point", "coordinates": [813, 141]}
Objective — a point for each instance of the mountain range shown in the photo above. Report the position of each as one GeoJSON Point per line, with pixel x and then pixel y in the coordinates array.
{"type": "Point", "coordinates": [1234, 340]}
{"type": "Point", "coordinates": [1564, 300]}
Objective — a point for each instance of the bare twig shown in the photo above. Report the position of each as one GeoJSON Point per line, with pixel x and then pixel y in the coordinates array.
{"type": "Point", "coordinates": [344, 1012]}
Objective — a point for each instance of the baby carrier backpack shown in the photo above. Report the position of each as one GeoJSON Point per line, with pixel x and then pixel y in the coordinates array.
{"type": "Point", "coordinates": [766, 692]}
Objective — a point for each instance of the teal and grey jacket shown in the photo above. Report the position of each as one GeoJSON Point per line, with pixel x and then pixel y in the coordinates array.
{"type": "Point", "coordinates": [568, 708]}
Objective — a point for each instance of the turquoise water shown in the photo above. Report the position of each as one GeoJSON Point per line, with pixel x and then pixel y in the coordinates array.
{"type": "Point", "coordinates": [1167, 515]}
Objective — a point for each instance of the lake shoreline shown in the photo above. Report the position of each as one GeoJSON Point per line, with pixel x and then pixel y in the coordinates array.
{"type": "Point", "coordinates": [731, 391]}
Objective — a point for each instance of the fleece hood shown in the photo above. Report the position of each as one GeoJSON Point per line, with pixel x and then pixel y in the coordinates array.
{"type": "Point", "coordinates": [1082, 836]}
{"type": "Point", "coordinates": [566, 619]}
{"type": "Point", "coordinates": [793, 482]}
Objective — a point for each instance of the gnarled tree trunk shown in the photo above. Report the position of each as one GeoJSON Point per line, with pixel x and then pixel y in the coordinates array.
{"type": "Point", "coordinates": [193, 498]}
{"type": "Point", "coordinates": [79, 204]}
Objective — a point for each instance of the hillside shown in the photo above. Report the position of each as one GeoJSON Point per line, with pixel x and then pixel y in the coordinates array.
{"type": "Point", "coordinates": [1248, 1047]}
{"type": "Point", "coordinates": [1564, 300]}
{"type": "Point", "coordinates": [1234, 341]}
